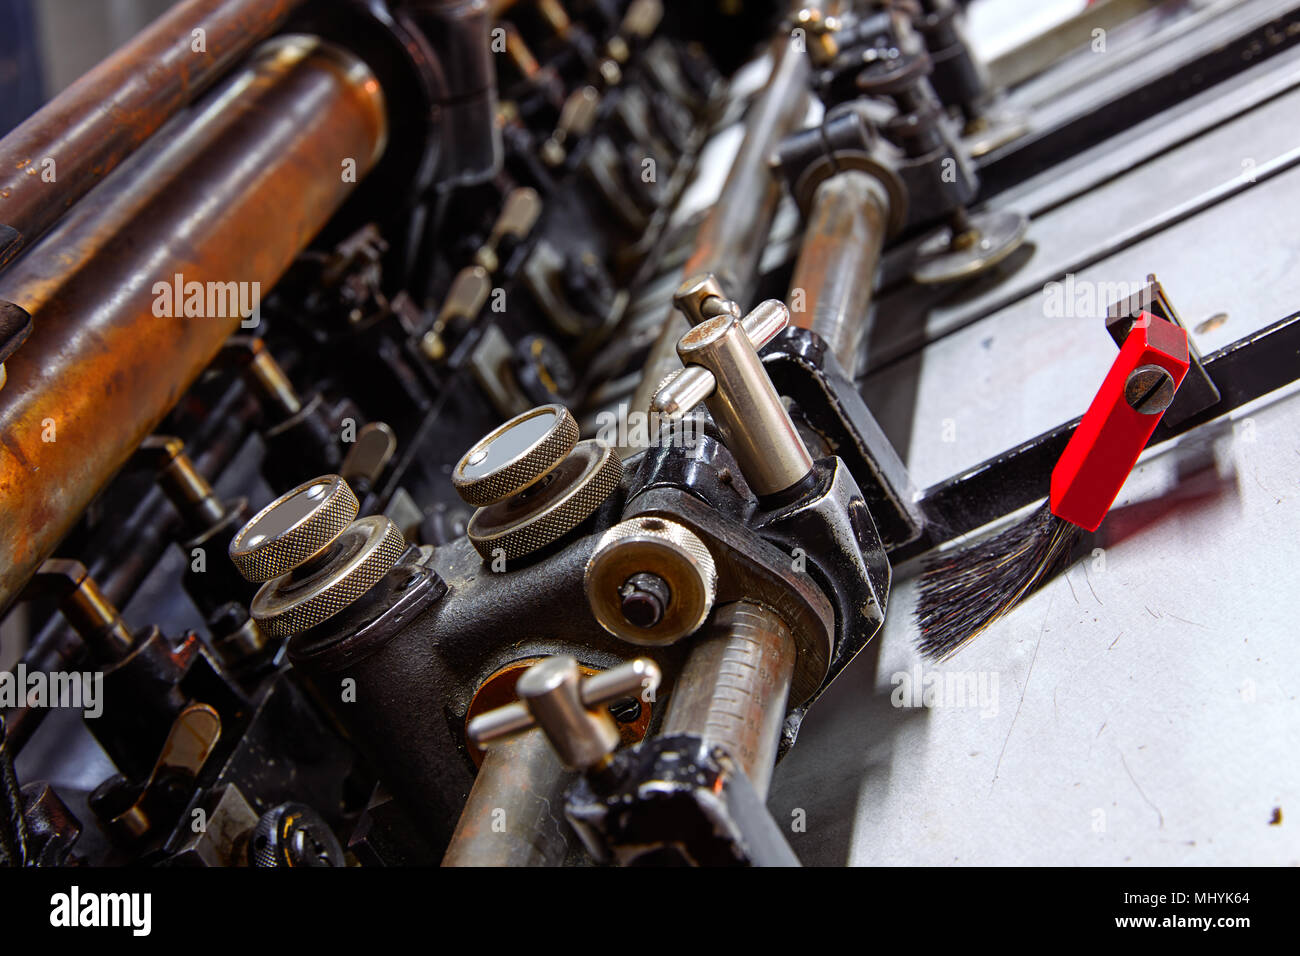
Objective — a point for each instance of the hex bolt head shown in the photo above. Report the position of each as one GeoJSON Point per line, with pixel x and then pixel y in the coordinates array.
{"type": "Point", "coordinates": [1149, 389]}
{"type": "Point", "coordinates": [645, 597]}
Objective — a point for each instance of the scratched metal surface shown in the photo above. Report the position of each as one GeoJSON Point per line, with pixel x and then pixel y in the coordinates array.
{"type": "Point", "coordinates": [1142, 709]}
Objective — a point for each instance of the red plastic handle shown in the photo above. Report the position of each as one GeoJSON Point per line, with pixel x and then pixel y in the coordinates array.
{"type": "Point", "coordinates": [1112, 434]}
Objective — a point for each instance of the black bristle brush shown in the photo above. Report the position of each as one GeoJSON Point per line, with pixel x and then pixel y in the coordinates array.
{"type": "Point", "coordinates": [965, 590]}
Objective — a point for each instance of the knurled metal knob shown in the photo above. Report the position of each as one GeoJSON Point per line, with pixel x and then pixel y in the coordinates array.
{"type": "Point", "coordinates": [547, 509]}
{"type": "Point", "coordinates": [570, 709]}
{"type": "Point", "coordinates": [294, 528]}
{"type": "Point", "coordinates": [366, 551]}
{"type": "Point", "coordinates": [516, 455]}
{"type": "Point", "coordinates": [293, 834]}
{"type": "Point", "coordinates": [651, 581]}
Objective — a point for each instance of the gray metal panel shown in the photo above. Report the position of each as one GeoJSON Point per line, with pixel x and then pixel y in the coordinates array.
{"type": "Point", "coordinates": [1144, 713]}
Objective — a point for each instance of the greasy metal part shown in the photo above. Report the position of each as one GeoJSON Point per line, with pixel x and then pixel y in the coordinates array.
{"type": "Point", "coordinates": [14, 837]}
{"type": "Point", "coordinates": [85, 132]}
{"type": "Point", "coordinates": [519, 213]}
{"type": "Point", "coordinates": [135, 546]}
{"type": "Point", "coordinates": [465, 300]}
{"type": "Point", "coordinates": [15, 326]}
{"type": "Point", "coordinates": [755, 424]}
{"type": "Point", "coordinates": [512, 816]}
{"type": "Point", "coordinates": [702, 297]}
{"type": "Point", "coordinates": [756, 569]}
{"type": "Point", "coordinates": [84, 606]}
{"type": "Point", "coordinates": [357, 560]}
{"type": "Point", "coordinates": [633, 714]}
{"type": "Point", "coordinates": [549, 509]}
{"type": "Point", "coordinates": [420, 650]}
{"type": "Point", "coordinates": [576, 119]}
{"type": "Point", "coordinates": [685, 388]}
{"type": "Point", "coordinates": [52, 830]}
{"type": "Point", "coordinates": [734, 688]}
{"type": "Point", "coordinates": [293, 834]}
{"type": "Point", "coordinates": [294, 529]}
{"type": "Point", "coordinates": [369, 455]}
{"type": "Point", "coordinates": [828, 401]}
{"type": "Point", "coordinates": [224, 841]}
{"type": "Point", "coordinates": [835, 273]}
{"type": "Point", "coordinates": [832, 527]}
{"type": "Point", "coordinates": [270, 379]}
{"type": "Point", "coordinates": [187, 490]}
{"type": "Point", "coordinates": [192, 738]}
{"type": "Point", "coordinates": [683, 581]}
{"type": "Point", "coordinates": [676, 800]}
{"type": "Point", "coordinates": [820, 31]}
{"type": "Point", "coordinates": [261, 157]}
{"type": "Point", "coordinates": [969, 246]}
{"type": "Point", "coordinates": [458, 32]}
{"type": "Point", "coordinates": [570, 709]}
{"type": "Point", "coordinates": [733, 235]}
{"type": "Point", "coordinates": [515, 455]}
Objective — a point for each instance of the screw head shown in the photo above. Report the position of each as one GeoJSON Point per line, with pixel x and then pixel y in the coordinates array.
{"type": "Point", "coordinates": [1149, 389]}
{"type": "Point", "coordinates": [644, 598]}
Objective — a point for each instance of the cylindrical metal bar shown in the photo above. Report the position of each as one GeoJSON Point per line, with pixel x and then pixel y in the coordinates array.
{"type": "Point", "coordinates": [746, 406]}
{"type": "Point", "coordinates": [835, 275]}
{"type": "Point", "coordinates": [189, 492]}
{"type": "Point", "coordinates": [97, 620]}
{"type": "Point", "coordinates": [54, 158]}
{"type": "Point", "coordinates": [733, 235]}
{"type": "Point", "coordinates": [272, 382]}
{"type": "Point", "coordinates": [134, 548]}
{"type": "Point", "coordinates": [734, 687]}
{"type": "Point", "coordinates": [514, 814]}
{"type": "Point", "coordinates": [226, 201]}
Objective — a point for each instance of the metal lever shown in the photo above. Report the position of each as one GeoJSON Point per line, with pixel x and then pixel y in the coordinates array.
{"type": "Point", "coordinates": [569, 709]}
{"type": "Point", "coordinates": [723, 369]}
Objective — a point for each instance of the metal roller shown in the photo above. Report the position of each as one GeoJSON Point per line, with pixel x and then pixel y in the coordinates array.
{"type": "Point", "coordinates": [260, 160]}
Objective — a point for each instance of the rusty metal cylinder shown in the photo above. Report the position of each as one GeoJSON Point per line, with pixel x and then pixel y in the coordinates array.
{"type": "Point", "coordinates": [224, 198]}
{"type": "Point", "coordinates": [835, 275]}
{"type": "Point", "coordinates": [734, 688]}
{"type": "Point", "coordinates": [515, 812]}
{"type": "Point", "coordinates": [54, 157]}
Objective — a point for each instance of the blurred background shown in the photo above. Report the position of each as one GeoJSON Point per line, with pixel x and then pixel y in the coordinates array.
{"type": "Point", "coordinates": [46, 44]}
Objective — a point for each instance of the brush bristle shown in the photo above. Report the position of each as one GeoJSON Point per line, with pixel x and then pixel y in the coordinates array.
{"type": "Point", "coordinates": [965, 590]}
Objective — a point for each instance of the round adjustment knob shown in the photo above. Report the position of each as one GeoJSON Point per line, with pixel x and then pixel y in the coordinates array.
{"type": "Point", "coordinates": [365, 551]}
{"type": "Point", "coordinates": [293, 834]}
{"type": "Point", "coordinates": [294, 528]}
{"type": "Point", "coordinates": [516, 455]}
{"type": "Point", "coordinates": [651, 581]}
{"type": "Point", "coordinates": [550, 508]}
